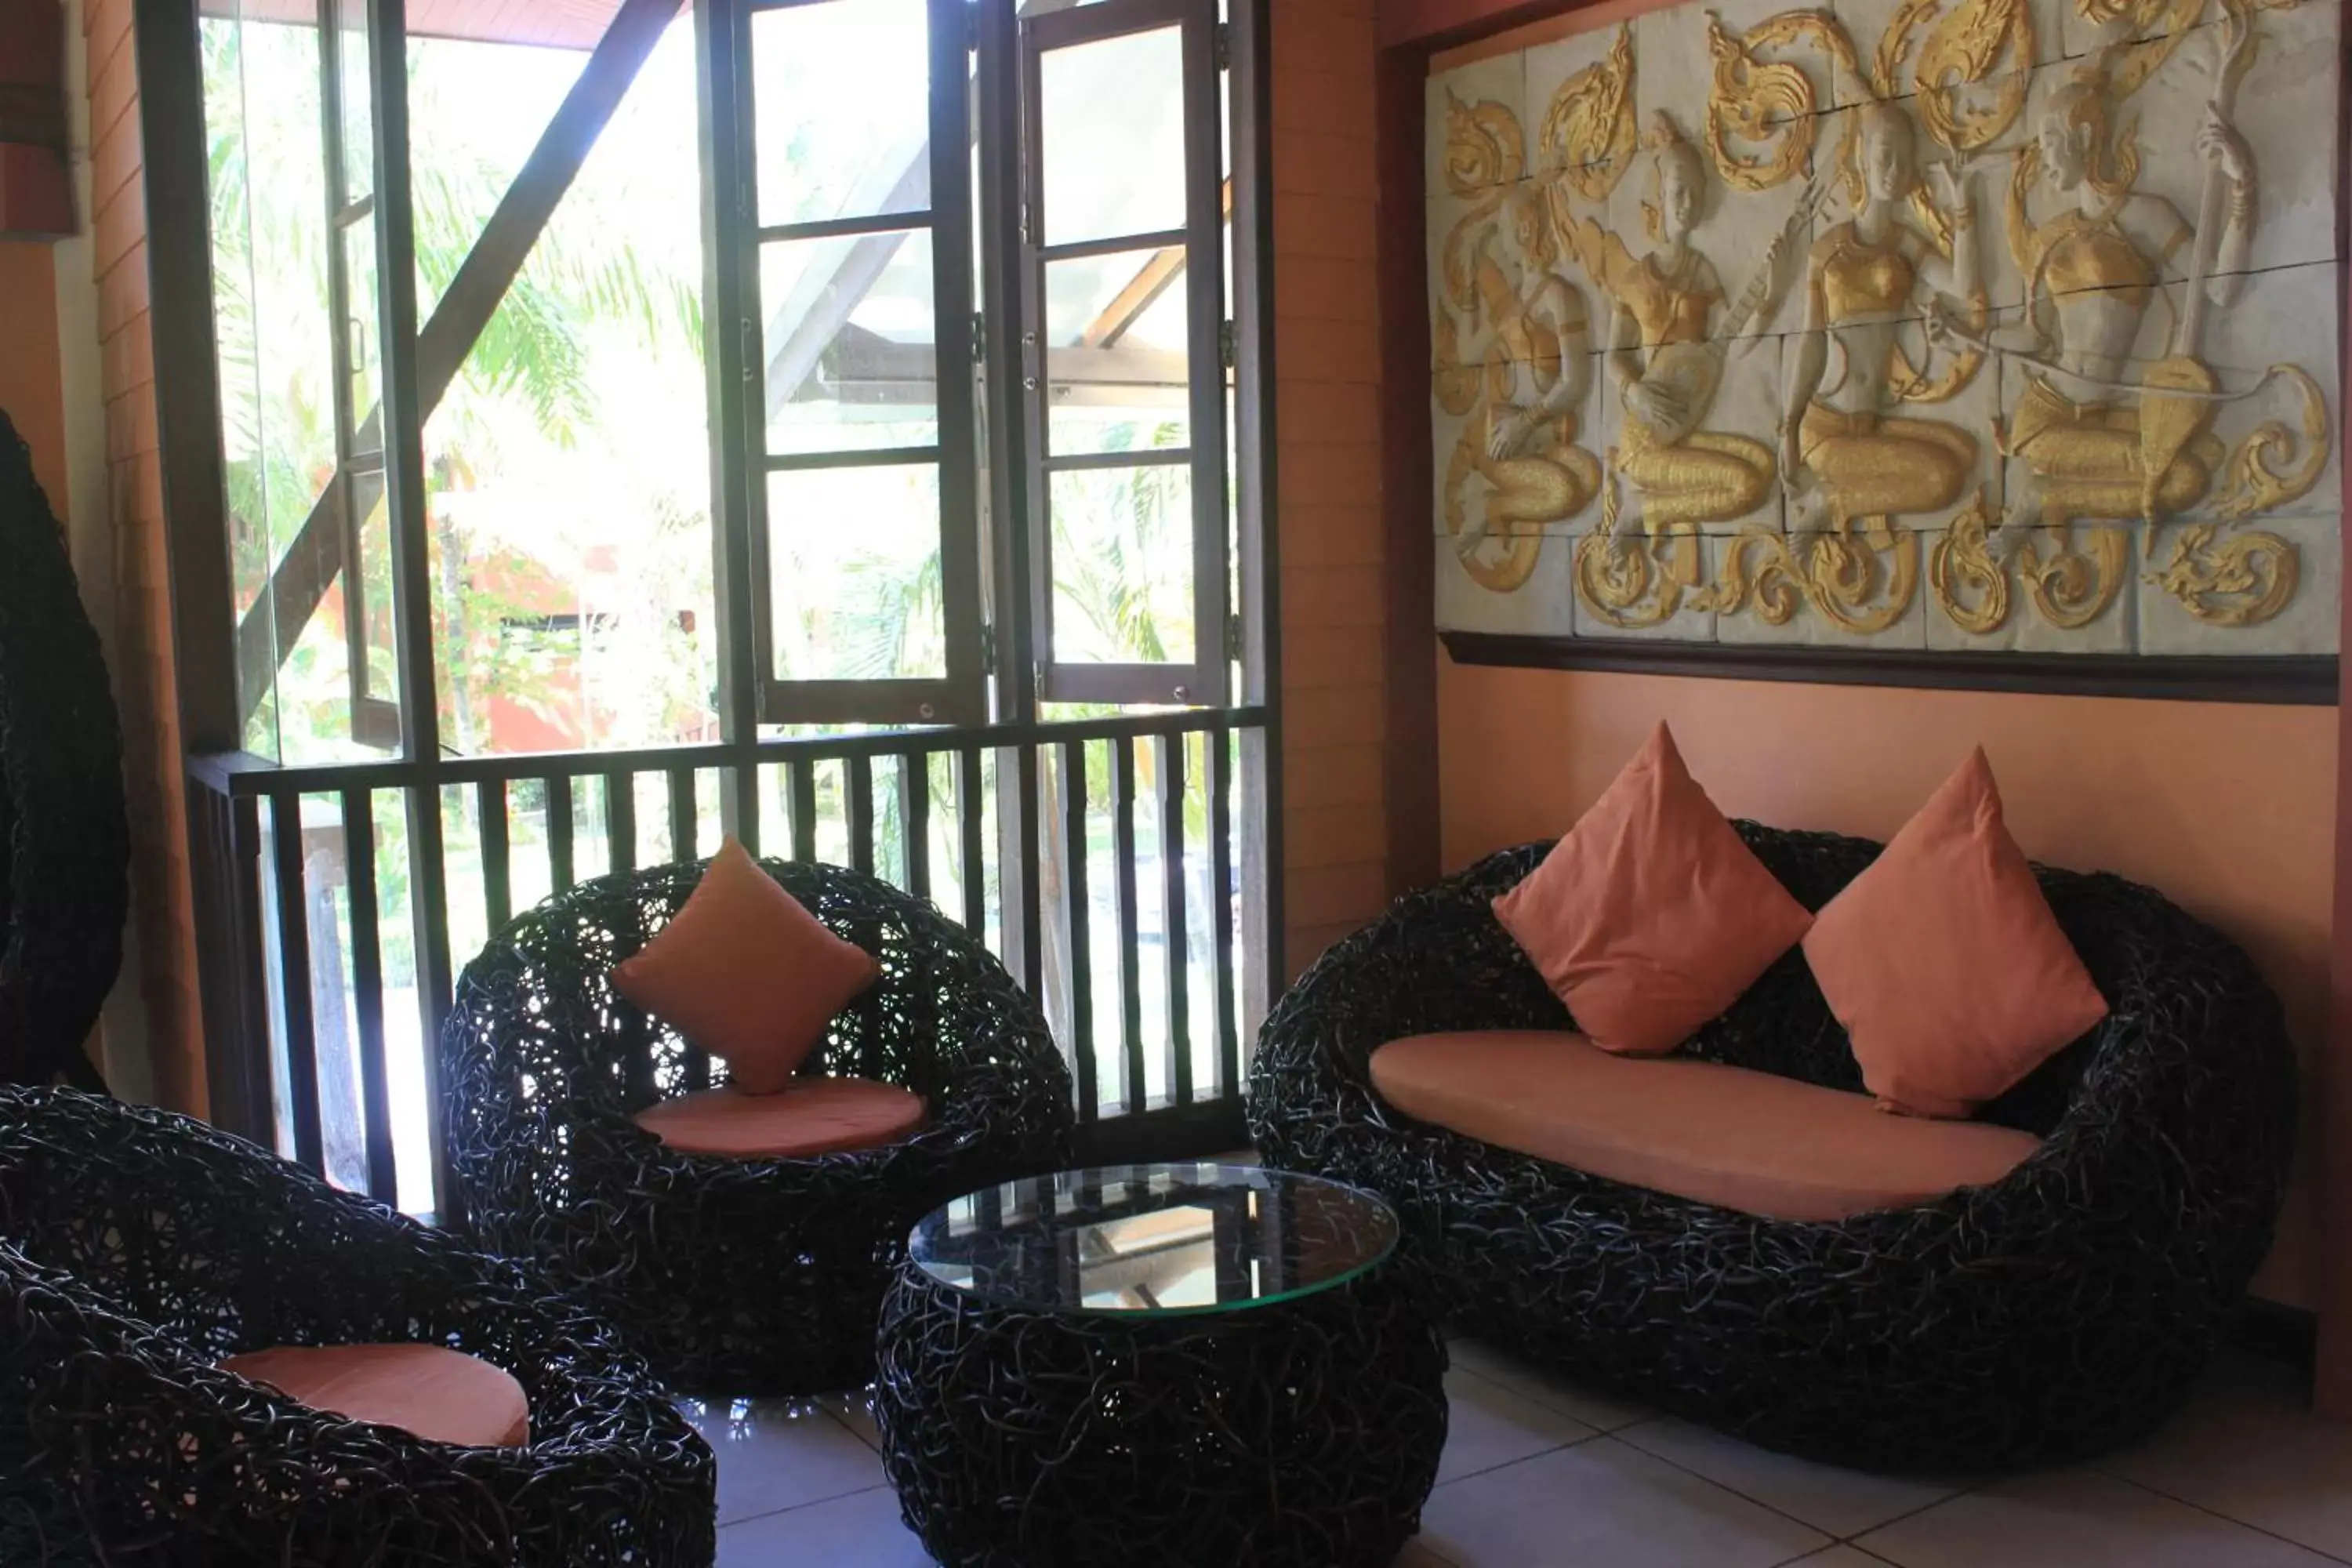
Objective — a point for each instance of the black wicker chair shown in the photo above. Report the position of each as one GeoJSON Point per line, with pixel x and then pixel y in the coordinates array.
{"type": "Point", "coordinates": [64, 840]}
{"type": "Point", "coordinates": [733, 1277]}
{"type": "Point", "coordinates": [139, 1248]}
{"type": "Point", "coordinates": [2058, 1313]}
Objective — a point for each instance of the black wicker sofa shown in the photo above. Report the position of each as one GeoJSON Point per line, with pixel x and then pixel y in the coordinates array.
{"type": "Point", "coordinates": [2060, 1311]}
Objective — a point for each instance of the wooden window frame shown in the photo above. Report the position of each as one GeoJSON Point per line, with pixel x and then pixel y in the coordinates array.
{"type": "Point", "coordinates": [960, 697]}
{"type": "Point", "coordinates": [1204, 679]}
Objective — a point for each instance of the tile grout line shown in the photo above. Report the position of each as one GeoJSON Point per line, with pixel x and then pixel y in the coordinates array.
{"type": "Point", "coordinates": [838, 1419]}
{"type": "Point", "coordinates": [810, 1502]}
{"type": "Point", "coordinates": [1829, 1538]}
{"type": "Point", "coordinates": [2217, 1513]}
{"type": "Point", "coordinates": [1855, 1540]}
{"type": "Point", "coordinates": [1522, 1459]}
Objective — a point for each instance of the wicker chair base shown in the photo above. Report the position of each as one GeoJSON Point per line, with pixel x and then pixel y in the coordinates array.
{"type": "Point", "coordinates": [1293, 1435]}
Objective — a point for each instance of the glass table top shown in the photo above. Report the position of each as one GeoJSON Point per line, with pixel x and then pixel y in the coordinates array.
{"type": "Point", "coordinates": [1160, 1240]}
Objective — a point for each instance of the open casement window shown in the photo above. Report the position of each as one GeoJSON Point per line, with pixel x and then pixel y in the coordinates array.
{"type": "Point", "coordinates": [1125, 342]}
{"type": "Point", "coordinates": [346, 82]}
{"type": "Point", "coordinates": [856, 201]}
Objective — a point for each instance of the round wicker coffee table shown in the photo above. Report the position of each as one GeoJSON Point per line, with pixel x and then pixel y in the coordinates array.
{"type": "Point", "coordinates": [1192, 1365]}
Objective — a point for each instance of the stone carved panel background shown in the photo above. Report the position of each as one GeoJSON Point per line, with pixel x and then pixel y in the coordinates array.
{"type": "Point", "coordinates": [2005, 326]}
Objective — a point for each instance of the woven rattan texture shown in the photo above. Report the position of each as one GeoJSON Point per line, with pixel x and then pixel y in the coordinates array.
{"type": "Point", "coordinates": [64, 840]}
{"type": "Point", "coordinates": [733, 1277]}
{"type": "Point", "coordinates": [139, 1248]}
{"type": "Point", "coordinates": [1298, 1434]}
{"type": "Point", "coordinates": [2058, 1313]}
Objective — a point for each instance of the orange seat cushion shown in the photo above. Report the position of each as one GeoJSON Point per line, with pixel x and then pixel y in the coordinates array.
{"type": "Point", "coordinates": [1651, 916]}
{"type": "Point", "coordinates": [427, 1391]}
{"type": "Point", "coordinates": [816, 1116]}
{"type": "Point", "coordinates": [1944, 962]}
{"type": "Point", "coordinates": [746, 972]}
{"type": "Point", "coordinates": [1715, 1134]}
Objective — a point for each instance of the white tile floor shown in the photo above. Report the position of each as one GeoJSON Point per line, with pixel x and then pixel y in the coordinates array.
{"type": "Point", "coordinates": [1538, 1474]}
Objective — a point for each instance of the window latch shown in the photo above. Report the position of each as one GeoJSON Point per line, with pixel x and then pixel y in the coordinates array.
{"type": "Point", "coordinates": [1229, 346]}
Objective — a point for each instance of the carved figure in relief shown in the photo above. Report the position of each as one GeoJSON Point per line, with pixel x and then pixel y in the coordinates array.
{"type": "Point", "coordinates": [1526, 370]}
{"type": "Point", "coordinates": [1539, 369]}
{"type": "Point", "coordinates": [1845, 455]}
{"type": "Point", "coordinates": [2101, 436]}
{"type": "Point", "coordinates": [2097, 440]}
{"type": "Point", "coordinates": [1670, 317]}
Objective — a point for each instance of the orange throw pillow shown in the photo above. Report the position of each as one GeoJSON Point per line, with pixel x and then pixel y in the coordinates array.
{"type": "Point", "coordinates": [746, 972]}
{"type": "Point", "coordinates": [1652, 916]}
{"type": "Point", "coordinates": [1944, 962]}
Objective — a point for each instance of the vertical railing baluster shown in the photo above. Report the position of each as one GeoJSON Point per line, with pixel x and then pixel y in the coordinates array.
{"type": "Point", "coordinates": [802, 772]}
{"type": "Point", "coordinates": [693, 1060]}
{"type": "Point", "coordinates": [621, 821]}
{"type": "Point", "coordinates": [1218, 752]}
{"type": "Point", "coordinates": [1168, 773]}
{"type": "Point", "coordinates": [1136, 1092]}
{"type": "Point", "coordinates": [1074, 912]}
{"type": "Point", "coordinates": [860, 769]}
{"type": "Point", "coordinates": [560, 872]}
{"type": "Point", "coordinates": [915, 820]}
{"type": "Point", "coordinates": [682, 844]}
{"type": "Point", "coordinates": [971, 797]}
{"type": "Point", "coordinates": [497, 886]}
{"type": "Point", "coordinates": [1028, 768]}
{"type": "Point", "coordinates": [367, 986]}
{"type": "Point", "coordinates": [293, 900]}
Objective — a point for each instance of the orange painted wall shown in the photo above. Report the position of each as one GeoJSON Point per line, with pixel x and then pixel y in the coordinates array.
{"type": "Point", "coordinates": [1327, 452]}
{"type": "Point", "coordinates": [29, 368]}
{"type": "Point", "coordinates": [145, 690]}
{"type": "Point", "coordinates": [146, 693]}
{"type": "Point", "coordinates": [2228, 809]}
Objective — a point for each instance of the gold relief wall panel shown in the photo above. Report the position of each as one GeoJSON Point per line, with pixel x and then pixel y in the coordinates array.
{"type": "Point", "coordinates": [1954, 326]}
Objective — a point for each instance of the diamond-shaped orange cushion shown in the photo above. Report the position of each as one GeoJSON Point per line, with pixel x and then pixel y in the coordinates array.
{"type": "Point", "coordinates": [1944, 962]}
{"type": "Point", "coordinates": [746, 972]}
{"type": "Point", "coordinates": [1652, 916]}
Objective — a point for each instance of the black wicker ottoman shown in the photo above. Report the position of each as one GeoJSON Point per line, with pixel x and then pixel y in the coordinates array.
{"type": "Point", "coordinates": [1191, 1366]}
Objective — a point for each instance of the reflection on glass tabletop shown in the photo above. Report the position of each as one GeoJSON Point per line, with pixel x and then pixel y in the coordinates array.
{"type": "Point", "coordinates": [1188, 1237]}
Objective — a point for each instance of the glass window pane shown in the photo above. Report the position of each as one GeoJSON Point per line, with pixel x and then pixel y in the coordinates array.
{"type": "Point", "coordinates": [854, 573]}
{"type": "Point", "coordinates": [358, 88]}
{"type": "Point", "coordinates": [476, 110]}
{"type": "Point", "coordinates": [1118, 376]}
{"type": "Point", "coordinates": [851, 339]}
{"type": "Point", "coordinates": [1113, 129]}
{"type": "Point", "coordinates": [1123, 565]}
{"type": "Point", "coordinates": [567, 470]}
{"type": "Point", "coordinates": [380, 671]}
{"type": "Point", "coordinates": [362, 332]}
{"type": "Point", "coordinates": [274, 331]}
{"type": "Point", "coordinates": [841, 108]}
